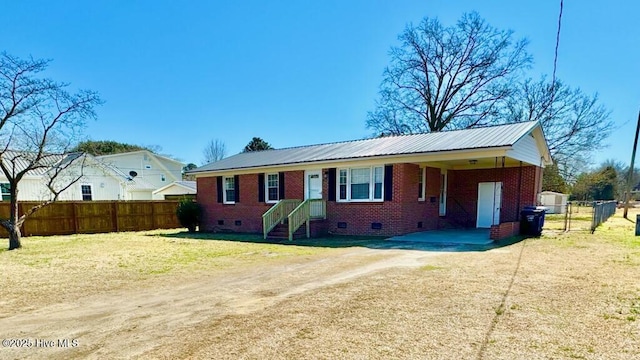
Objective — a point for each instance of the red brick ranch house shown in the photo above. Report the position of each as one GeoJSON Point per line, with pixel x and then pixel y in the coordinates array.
{"type": "Point", "coordinates": [387, 186]}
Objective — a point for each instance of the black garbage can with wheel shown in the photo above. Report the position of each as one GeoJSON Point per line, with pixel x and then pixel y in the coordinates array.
{"type": "Point", "coordinates": [532, 220]}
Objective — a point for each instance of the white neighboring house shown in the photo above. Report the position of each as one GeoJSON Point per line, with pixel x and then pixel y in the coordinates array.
{"type": "Point", "coordinates": [155, 170]}
{"type": "Point", "coordinates": [109, 177]}
{"type": "Point", "coordinates": [176, 190]}
{"type": "Point", "coordinates": [33, 185]}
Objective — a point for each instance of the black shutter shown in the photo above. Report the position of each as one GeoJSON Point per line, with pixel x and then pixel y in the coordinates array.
{"type": "Point", "coordinates": [388, 182]}
{"type": "Point", "coordinates": [260, 187]}
{"type": "Point", "coordinates": [281, 185]}
{"type": "Point", "coordinates": [331, 186]}
{"type": "Point", "coordinates": [236, 183]}
{"type": "Point", "coordinates": [219, 188]}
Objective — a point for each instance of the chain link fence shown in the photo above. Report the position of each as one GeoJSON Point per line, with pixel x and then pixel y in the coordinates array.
{"type": "Point", "coordinates": [602, 210]}
{"type": "Point", "coordinates": [580, 216]}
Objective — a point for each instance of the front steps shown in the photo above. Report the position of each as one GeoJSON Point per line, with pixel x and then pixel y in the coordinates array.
{"type": "Point", "coordinates": [281, 231]}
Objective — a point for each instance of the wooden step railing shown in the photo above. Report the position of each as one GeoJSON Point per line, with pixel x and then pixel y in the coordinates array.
{"type": "Point", "coordinates": [277, 213]}
{"type": "Point", "coordinates": [310, 208]}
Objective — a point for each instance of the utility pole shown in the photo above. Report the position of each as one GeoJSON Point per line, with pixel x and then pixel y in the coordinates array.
{"type": "Point", "coordinates": [630, 176]}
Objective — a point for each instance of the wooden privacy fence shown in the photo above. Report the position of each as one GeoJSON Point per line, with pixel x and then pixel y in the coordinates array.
{"type": "Point", "coordinates": [87, 217]}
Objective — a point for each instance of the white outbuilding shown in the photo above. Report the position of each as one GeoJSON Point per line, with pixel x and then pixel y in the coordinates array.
{"type": "Point", "coordinates": [556, 203]}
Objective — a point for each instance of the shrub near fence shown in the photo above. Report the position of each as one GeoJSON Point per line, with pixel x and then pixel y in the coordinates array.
{"type": "Point", "coordinates": [87, 217]}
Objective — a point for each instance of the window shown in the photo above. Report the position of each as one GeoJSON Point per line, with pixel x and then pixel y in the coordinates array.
{"type": "Point", "coordinates": [229, 190]}
{"type": "Point", "coordinates": [5, 189]}
{"type": "Point", "coordinates": [421, 184]}
{"type": "Point", "coordinates": [86, 192]}
{"type": "Point", "coordinates": [360, 179]}
{"type": "Point", "coordinates": [272, 188]}
{"type": "Point", "coordinates": [343, 185]}
{"type": "Point", "coordinates": [361, 184]}
{"type": "Point", "coordinates": [377, 183]}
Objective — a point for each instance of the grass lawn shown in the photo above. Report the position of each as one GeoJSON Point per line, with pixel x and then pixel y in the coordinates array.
{"type": "Point", "coordinates": [167, 294]}
{"type": "Point", "coordinates": [57, 268]}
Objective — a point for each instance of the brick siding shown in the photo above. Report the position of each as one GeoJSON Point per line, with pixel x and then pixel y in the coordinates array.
{"type": "Point", "coordinates": [223, 217]}
{"type": "Point", "coordinates": [504, 230]}
{"type": "Point", "coordinates": [462, 199]}
{"type": "Point", "coordinates": [403, 214]}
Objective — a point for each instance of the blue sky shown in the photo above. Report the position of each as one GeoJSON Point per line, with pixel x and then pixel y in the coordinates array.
{"type": "Point", "coordinates": [179, 73]}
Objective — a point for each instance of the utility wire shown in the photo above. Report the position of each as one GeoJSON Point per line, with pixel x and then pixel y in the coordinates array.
{"type": "Point", "coordinates": [555, 57]}
{"type": "Point", "coordinates": [549, 105]}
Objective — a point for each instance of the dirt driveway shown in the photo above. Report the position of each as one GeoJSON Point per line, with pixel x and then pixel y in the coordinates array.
{"type": "Point", "coordinates": [129, 323]}
{"type": "Point", "coordinates": [559, 296]}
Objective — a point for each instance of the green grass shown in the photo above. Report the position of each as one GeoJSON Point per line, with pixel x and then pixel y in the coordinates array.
{"type": "Point", "coordinates": [430, 267]}
{"type": "Point", "coordinates": [147, 253]}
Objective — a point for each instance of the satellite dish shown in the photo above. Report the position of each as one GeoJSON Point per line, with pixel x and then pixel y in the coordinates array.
{"type": "Point", "coordinates": [133, 174]}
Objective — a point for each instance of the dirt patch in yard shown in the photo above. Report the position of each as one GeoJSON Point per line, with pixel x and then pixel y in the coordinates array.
{"type": "Point", "coordinates": [559, 296]}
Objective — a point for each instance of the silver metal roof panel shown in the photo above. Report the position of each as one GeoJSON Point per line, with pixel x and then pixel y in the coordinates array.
{"type": "Point", "coordinates": [477, 138]}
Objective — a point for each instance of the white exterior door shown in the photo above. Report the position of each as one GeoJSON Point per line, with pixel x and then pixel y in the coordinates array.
{"type": "Point", "coordinates": [313, 189]}
{"type": "Point", "coordinates": [443, 192]}
{"type": "Point", "coordinates": [489, 203]}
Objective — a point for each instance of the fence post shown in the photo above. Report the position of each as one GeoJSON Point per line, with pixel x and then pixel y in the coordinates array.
{"type": "Point", "coordinates": [153, 215]}
{"type": "Point", "coordinates": [594, 216]}
{"type": "Point", "coordinates": [570, 215]}
{"type": "Point", "coordinates": [23, 231]}
{"type": "Point", "coordinates": [566, 216]}
{"type": "Point", "coordinates": [74, 212]}
{"type": "Point", "coordinates": [114, 216]}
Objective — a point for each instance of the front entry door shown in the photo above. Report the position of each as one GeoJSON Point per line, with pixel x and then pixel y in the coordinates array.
{"type": "Point", "coordinates": [313, 189]}
{"type": "Point", "coordinates": [443, 192]}
{"type": "Point", "coordinates": [489, 203]}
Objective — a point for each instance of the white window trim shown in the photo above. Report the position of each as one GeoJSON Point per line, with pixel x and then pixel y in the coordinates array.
{"type": "Point", "coordinates": [224, 190]}
{"type": "Point", "coordinates": [371, 184]}
{"type": "Point", "coordinates": [6, 193]}
{"type": "Point", "coordinates": [423, 172]}
{"type": "Point", "coordinates": [90, 188]}
{"type": "Point", "coordinates": [266, 188]}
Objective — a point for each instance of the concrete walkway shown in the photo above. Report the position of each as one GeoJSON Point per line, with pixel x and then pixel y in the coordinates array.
{"type": "Point", "coordinates": [450, 236]}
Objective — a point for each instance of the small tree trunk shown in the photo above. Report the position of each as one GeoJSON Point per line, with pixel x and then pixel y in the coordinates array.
{"type": "Point", "coordinates": [14, 223]}
{"type": "Point", "coordinates": [14, 237]}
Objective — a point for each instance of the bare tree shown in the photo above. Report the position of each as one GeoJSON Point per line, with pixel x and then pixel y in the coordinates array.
{"type": "Point", "coordinates": [447, 77]}
{"type": "Point", "coordinates": [39, 123]}
{"type": "Point", "coordinates": [214, 151]}
{"type": "Point", "coordinates": [575, 124]}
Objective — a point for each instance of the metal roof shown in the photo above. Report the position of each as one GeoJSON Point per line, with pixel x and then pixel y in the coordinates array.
{"type": "Point", "coordinates": [140, 151]}
{"type": "Point", "coordinates": [468, 139]}
{"type": "Point", "coordinates": [17, 161]}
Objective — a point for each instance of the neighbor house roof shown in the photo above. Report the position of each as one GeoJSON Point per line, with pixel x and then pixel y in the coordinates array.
{"type": "Point", "coordinates": [139, 152]}
{"type": "Point", "coordinates": [469, 139]}
{"type": "Point", "coordinates": [189, 186]}
{"type": "Point", "coordinates": [17, 161]}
